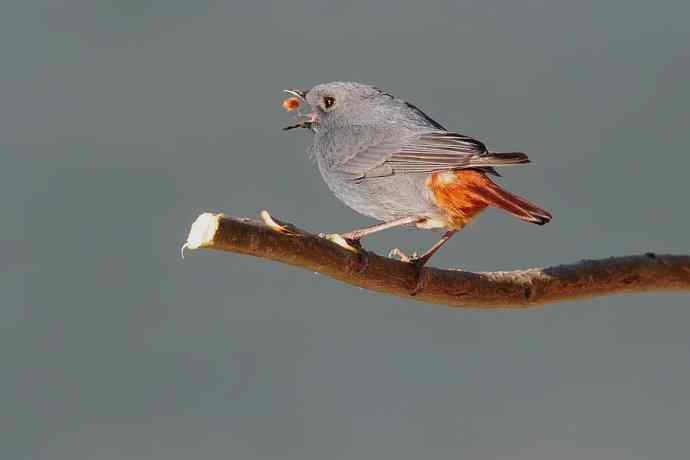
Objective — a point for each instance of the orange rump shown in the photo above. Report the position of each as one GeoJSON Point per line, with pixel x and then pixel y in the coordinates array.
{"type": "Point", "coordinates": [465, 193]}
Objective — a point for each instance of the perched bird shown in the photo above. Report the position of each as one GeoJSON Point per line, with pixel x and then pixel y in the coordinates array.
{"type": "Point", "coordinates": [386, 159]}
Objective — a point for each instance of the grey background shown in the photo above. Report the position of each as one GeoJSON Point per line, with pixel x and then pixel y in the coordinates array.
{"type": "Point", "coordinates": [121, 120]}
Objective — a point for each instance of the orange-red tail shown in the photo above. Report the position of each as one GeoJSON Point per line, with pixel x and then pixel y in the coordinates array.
{"type": "Point", "coordinates": [515, 205]}
{"type": "Point", "coordinates": [465, 193]}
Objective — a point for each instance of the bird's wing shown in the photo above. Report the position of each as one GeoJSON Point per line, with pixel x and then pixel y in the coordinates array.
{"type": "Point", "coordinates": [424, 153]}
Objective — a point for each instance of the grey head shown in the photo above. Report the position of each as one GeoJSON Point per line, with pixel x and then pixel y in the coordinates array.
{"type": "Point", "coordinates": [344, 104]}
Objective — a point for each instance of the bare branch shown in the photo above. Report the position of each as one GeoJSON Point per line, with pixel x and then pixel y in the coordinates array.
{"type": "Point", "coordinates": [518, 289]}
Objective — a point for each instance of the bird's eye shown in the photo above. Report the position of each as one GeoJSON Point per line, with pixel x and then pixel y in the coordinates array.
{"type": "Point", "coordinates": [328, 102]}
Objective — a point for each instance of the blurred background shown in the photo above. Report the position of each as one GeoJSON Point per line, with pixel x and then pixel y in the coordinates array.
{"type": "Point", "coordinates": [122, 120]}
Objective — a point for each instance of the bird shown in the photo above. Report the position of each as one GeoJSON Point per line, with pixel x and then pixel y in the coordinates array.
{"type": "Point", "coordinates": [387, 159]}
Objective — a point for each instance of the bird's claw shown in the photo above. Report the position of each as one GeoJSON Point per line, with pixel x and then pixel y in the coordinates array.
{"type": "Point", "coordinates": [396, 253]}
{"type": "Point", "coordinates": [342, 242]}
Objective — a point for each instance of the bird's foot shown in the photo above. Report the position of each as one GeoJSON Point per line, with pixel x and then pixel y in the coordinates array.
{"type": "Point", "coordinates": [340, 240]}
{"type": "Point", "coordinates": [417, 262]}
{"type": "Point", "coordinates": [396, 253]}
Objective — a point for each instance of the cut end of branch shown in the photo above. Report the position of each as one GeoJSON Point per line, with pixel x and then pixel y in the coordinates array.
{"type": "Point", "coordinates": [203, 231]}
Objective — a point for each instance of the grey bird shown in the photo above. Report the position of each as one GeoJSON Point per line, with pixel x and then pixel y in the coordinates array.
{"type": "Point", "coordinates": [385, 158]}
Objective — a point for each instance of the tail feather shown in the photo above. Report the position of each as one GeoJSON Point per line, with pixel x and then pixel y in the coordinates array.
{"type": "Point", "coordinates": [513, 204]}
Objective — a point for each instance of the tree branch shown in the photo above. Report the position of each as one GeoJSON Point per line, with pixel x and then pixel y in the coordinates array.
{"type": "Point", "coordinates": [456, 288]}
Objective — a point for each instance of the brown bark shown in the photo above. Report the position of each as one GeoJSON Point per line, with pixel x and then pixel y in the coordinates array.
{"type": "Point", "coordinates": [455, 288]}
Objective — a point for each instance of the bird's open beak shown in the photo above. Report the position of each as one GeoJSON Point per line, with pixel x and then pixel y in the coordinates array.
{"type": "Point", "coordinates": [306, 121]}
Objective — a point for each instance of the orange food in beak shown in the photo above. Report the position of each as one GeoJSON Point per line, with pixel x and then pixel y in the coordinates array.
{"type": "Point", "coordinates": [291, 104]}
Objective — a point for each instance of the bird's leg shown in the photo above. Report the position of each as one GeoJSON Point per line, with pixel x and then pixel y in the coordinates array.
{"type": "Point", "coordinates": [424, 258]}
{"type": "Point", "coordinates": [350, 240]}
{"type": "Point", "coordinates": [356, 235]}
{"type": "Point", "coordinates": [420, 261]}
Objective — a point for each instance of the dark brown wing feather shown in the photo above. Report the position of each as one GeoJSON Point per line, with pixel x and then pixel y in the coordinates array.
{"type": "Point", "coordinates": [425, 153]}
